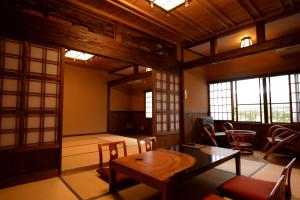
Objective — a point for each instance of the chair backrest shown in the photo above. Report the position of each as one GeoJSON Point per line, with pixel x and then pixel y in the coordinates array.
{"type": "Point", "coordinates": [227, 126]}
{"type": "Point", "coordinates": [112, 148]}
{"type": "Point", "coordinates": [209, 132]}
{"type": "Point", "coordinates": [287, 172]}
{"type": "Point", "coordinates": [273, 128]}
{"type": "Point", "coordinates": [278, 192]}
{"type": "Point", "coordinates": [150, 143]}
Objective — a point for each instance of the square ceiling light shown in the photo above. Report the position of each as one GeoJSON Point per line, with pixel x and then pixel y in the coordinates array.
{"type": "Point", "coordinates": [78, 55]}
{"type": "Point", "coordinates": [169, 5]}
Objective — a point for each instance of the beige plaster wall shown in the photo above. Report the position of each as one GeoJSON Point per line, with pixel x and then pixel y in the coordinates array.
{"type": "Point", "coordinates": [84, 105]}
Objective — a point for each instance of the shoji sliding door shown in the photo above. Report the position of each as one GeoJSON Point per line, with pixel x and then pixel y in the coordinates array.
{"type": "Point", "coordinates": [166, 107]}
{"type": "Point", "coordinates": [30, 106]}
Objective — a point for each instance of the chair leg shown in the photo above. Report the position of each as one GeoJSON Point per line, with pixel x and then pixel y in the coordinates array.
{"type": "Point", "coordinates": [267, 147]}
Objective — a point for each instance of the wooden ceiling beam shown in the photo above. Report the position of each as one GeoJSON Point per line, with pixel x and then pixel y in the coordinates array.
{"type": "Point", "coordinates": [254, 8]}
{"type": "Point", "coordinates": [133, 77]}
{"type": "Point", "coordinates": [118, 19]}
{"type": "Point", "coordinates": [141, 13]}
{"type": "Point", "coordinates": [221, 13]}
{"type": "Point", "coordinates": [290, 40]}
{"type": "Point", "coordinates": [195, 52]}
{"type": "Point", "coordinates": [212, 12]}
{"type": "Point", "coordinates": [119, 69]}
{"type": "Point", "coordinates": [38, 29]}
{"type": "Point", "coordinates": [185, 20]}
{"type": "Point", "coordinates": [246, 9]}
{"type": "Point", "coordinates": [202, 26]}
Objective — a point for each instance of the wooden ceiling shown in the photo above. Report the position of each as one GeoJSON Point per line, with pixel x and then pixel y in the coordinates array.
{"type": "Point", "coordinates": [200, 21]}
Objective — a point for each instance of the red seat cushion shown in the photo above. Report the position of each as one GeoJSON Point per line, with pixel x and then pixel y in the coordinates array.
{"type": "Point", "coordinates": [212, 197]}
{"type": "Point", "coordinates": [242, 187]}
{"type": "Point", "coordinates": [105, 173]}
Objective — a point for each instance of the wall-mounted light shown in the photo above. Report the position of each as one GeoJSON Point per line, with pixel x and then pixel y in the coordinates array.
{"type": "Point", "coordinates": [246, 42]}
{"type": "Point", "coordinates": [148, 69]}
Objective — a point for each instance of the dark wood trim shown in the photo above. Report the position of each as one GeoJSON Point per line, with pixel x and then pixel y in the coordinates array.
{"type": "Point", "coordinates": [200, 54]}
{"type": "Point", "coordinates": [26, 26]}
{"type": "Point", "coordinates": [260, 32]}
{"type": "Point", "coordinates": [256, 48]}
{"type": "Point", "coordinates": [60, 114]}
{"type": "Point", "coordinates": [265, 97]}
{"type": "Point", "coordinates": [108, 108]}
{"type": "Point", "coordinates": [119, 69]}
{"type": "Point", "coordinates": [213, 45]}
{"type": "Point", "coordinates": [254, 8]}
{"type": "Point", "coordinates": [130, 78]}
{"type": "Point", "coordinates": [136, 69]}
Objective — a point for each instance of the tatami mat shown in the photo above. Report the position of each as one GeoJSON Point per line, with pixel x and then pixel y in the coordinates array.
{"type": "Point", "coordinates": [248, 167]}
{"type": "Point", "coordinates": [48, 189]}
{"type": "Point", "coordinates": [86, 184]}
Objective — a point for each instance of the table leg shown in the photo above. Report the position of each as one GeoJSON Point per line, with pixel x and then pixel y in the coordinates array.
{"type": "Point", "coordinates": [112, 180]}
{"type": "Point", "coordinates": [238, 163]}
{"type": "Point", "coordinates": [166, 192]}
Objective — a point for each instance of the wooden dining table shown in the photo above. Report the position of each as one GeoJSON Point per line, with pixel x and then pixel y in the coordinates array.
{"type": "Point", "coordinates": [162, 168]}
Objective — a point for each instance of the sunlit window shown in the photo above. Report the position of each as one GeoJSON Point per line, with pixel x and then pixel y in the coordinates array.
{"type": "Point", "coordinates": [272, 99]}
{"type": "Point", "coordinates": [220, 101]}
{"type": "Point", "coordinates": [248, 106]}
{"type": "Point", "coordinates": [148, 104]}
{"type": "Point", "coordinates": [279, 99]}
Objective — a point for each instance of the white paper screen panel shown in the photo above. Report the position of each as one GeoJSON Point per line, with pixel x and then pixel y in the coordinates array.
{"type": "Point", "coordinates": [167, 102]}
{"type": "Point", "coordinates": [30, 92]}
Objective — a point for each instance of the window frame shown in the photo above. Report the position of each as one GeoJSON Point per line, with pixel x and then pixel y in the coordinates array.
{"type": "Point", "coordinates": [145, 103]}
{"type": "Point", "coordinates": [265, 108]}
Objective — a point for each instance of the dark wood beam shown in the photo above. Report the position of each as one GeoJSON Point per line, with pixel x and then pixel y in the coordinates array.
{"type": "Point", "coordinates": [38, 29]}
{"type": "Point", "coordinates": [213, 46]}
{"type": "Point", "coordinates": [246, 24]}
{"type": "Point", "coordinates": [136, 69]}
{"type": "Point", "coordinates": [237, 53]}
{"type": "Point", "coordinates": [246, 9]}
{"type": "Point", "coordinates": [185, 20]}
{"type": "Point", "coordinates": [221, 13]}
{"type": "Point", "coordinates": [119, 69]}
{"type": "Point", "coordinates": [133, 77]}
{"type": "Point", "coordinates": [260, 32]}
{"type": "Point", "coordinates": [151, 18]}
{"type": "Point", "coordinates": [195, 52]}
{"type": "Point", "coordinates": [254, 8]}
{"type": "Point", "coordinates": [213, 13]}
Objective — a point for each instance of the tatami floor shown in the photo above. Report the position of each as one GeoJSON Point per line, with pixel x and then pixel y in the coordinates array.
{"type": "Point", "coordinates": [80, 180]}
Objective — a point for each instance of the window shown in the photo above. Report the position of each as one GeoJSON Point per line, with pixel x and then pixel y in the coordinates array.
{"type": "Point", "coordinates": [148, 104]}
{"type": "Point", "coordinates": [273, 99]}
{"type": "Point", "coordinates": [279, 99]}
{"type": "Point", "coordinates": [220, 101]}
{"type": "Point", "coordinates": [248, 100]}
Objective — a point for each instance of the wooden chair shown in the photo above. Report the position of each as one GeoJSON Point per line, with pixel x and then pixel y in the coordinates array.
{"type": "Point", "coordinates": [210, 133]}
{"type": "Point", "coordinates": [243, 187]}
{"type": "Point", "coordinates": [279, 136]}
{"type": "Point", "coordinates": [226, 126]}
{"type": "Point", "coordinates": [150, 143]}
{"type": "Point", "coordinates": [112, 149]}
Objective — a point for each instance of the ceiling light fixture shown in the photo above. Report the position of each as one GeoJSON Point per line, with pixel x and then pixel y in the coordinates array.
{"type": "Point", "coordinates": [246, 42]}
{"type": "Point", "coordinates": [169, 5]}
{"type": "Point", "coordinates": [78, 55]}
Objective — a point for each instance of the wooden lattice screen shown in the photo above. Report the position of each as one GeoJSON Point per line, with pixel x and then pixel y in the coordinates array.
{"type": "Point", "coordinates": [166, 103]}
{"type": "Point", "coordinates": [29, 94]}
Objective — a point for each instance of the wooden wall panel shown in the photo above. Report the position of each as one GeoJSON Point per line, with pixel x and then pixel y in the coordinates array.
{"type": "Point", "coordinates": [129, 123]}
{"type": "Point", "coordinates": [191, 126]}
